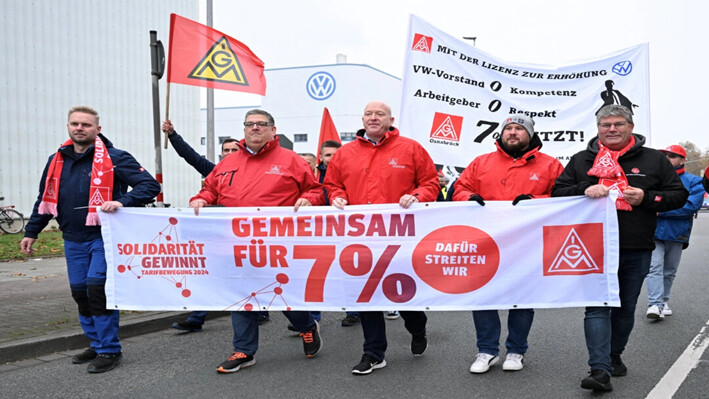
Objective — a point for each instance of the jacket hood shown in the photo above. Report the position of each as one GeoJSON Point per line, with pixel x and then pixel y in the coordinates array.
{"type": "Point", "coordinates": [535, 144]}
{"type": "Point", "coordinates": [106, 141]}
{"type": "Point", "coordinates": [393, 132]}
{"type": "Point", "coordinates": [639, 142]}
{"type": "Point", "coordinates": [267, 147]}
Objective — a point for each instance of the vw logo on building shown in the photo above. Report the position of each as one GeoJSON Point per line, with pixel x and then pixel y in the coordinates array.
{"type": "Point", "coordinates": [320, 86]}
{"type": "Point", "coordinates": [623, 68]}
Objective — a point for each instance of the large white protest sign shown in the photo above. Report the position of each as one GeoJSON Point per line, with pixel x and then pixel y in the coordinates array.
{"type": "Point", "coordinates": [542, 253]}
{"type": "Point", "coordinates": [455, 96]}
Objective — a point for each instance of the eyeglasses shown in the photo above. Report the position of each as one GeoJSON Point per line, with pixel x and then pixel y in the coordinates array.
{"type": "Point", "coordinates": [259, 124]}
{"type": "Point", "coordinates": [618, 125]}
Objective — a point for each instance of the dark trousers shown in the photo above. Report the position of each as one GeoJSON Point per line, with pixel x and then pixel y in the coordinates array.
{"type": "Point", "coordinates": [374, 329]}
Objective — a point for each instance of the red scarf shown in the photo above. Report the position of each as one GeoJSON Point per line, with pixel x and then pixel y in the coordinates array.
{"type": "Point", "coordinates": [101, 182]}
{"type": "Point", "coordinates": [609, 172]}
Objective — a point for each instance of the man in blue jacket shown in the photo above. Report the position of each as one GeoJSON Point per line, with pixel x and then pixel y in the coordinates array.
{"type": "Point", "coordinates": [86, 173]}
{"type": "Point", "coordinates": [671, 237]}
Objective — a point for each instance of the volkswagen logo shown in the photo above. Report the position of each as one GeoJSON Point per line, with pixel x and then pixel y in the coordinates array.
{"type": "Point", "coordinates": [623, 68]}
{"type": "Point", "coordinates": [320, 86]}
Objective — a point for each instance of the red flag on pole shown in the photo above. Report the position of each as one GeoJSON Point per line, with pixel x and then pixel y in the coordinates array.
{"type": "Point", "coordinates": [327, 131]}
{"type": "Point", "coordinates": [201, 56]}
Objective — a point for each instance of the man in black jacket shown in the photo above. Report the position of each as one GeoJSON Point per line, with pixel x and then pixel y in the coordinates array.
{"type": "Point", "coordinates": [646, 184]}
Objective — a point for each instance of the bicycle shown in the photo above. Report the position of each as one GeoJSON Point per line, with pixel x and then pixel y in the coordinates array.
{"type": "Point", "coordinates": [11, 221]}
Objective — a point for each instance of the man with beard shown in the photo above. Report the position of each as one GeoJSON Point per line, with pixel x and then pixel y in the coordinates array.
{"type": "Point", "coordinates": [516, 171]}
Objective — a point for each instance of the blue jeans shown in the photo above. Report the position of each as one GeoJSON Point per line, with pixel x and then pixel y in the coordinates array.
{"type": "Point", "coordinates": [374, 329]}
{"type": "Point", "coordinates": [86, 269]}
{"type": "Point", "coordinates": [197, 317]}
{"type": "Point", "coordinates": [488, 328]}
{"type": "Point", "coordinates": [245, 325]}
{"type": "Point", "coordinates": [607, 329]}
{"type": "Point", "coordinates": [663, 269]}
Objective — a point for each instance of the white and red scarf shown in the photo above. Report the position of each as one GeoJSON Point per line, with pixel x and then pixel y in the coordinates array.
{"type": "Point", "coordinates": [101, 182]}
{"type": "Point", "coordinates": [609, 172]}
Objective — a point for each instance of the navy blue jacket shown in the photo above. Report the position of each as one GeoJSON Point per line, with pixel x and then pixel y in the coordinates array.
{"type": "Point", "coordinates": [202, 164]}
{"type": "Point", "coordinates": [321, 178]}
{"type": "Point", "coordinates": [74, 191]}
{"type": "Point", "coordinates": [676, 225]}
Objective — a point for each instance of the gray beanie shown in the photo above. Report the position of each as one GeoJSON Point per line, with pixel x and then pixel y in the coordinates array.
{"type": "Point", "coordinates": [526, 122]}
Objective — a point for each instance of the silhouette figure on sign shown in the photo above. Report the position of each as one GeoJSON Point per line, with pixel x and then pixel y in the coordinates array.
{"type": "Point", "coordinates": [610, 96]}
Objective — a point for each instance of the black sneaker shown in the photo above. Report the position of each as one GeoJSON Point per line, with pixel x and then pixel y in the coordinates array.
{"type": "Point", "coordinates": [291, 327]}
{"type": "Point", "coordinates": [619, 368]}
{"type": "Point", "coordinates": [187, 326]}
{"type": "Point", "coordinates": [263, 319]}
{"type": "Point", "coordinates": [368, 364]}
{"type": "Point", "coordinates": [105, 362]}
{"type": "Point", "coordinates": [312, 341]}
{"type": "Point", "coordinates": [599, 380]}
{"type": "Point", "coordinates": [236, 362]}
{"type": "Point", "coordinates": [350, 320]}
{"type": "Point", "coordinates": [85, 356]}
{"type": "Point", "coordinates": [418, 344]}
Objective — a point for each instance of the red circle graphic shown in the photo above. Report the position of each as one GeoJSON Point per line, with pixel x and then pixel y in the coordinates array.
{"type": "Point", "coordinates": [456, 259]}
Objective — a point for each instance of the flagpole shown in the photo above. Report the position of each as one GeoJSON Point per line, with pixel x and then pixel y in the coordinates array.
{"type": "Point", "coordinates": [157, 63]}
{"type": "Point", "coordinates": [167, 110]}
{"type": "Point", "coordinates": [210, 101]}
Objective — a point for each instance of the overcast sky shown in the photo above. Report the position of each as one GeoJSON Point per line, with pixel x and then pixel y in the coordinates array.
{"type": "Point", "coordinates": [548, 32]}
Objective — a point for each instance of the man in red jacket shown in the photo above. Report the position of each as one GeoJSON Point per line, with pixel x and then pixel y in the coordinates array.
{"type": "Point", "coordinates": [261, 173]}
{"type": "Point", "coordinates": [516, 171]}
{"type": "Point", "coordinates": [381, 167]}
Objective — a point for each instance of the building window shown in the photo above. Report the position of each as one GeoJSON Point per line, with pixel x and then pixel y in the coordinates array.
{"type": "Point", "coordinates": [347, 136]}
{"type": "Point", "coordinates": [222, 138]}
{"type": "Point", "coordinates": [300, 138]}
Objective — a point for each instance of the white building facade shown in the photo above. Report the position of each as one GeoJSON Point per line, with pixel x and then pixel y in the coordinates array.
{"type": "Point", "coordinates": [297, 96]}
{"type": "Point", "coordinates": [58, 54]}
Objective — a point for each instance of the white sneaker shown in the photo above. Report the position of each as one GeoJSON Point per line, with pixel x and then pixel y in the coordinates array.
{"type": "Point", "coordinates": [483, 362]}
{"type": "Point", "coordinates": [391, 315]}
{"type": "Point", "coordinates": [654, 312]}
{"type": "Point", "coordinates": [513, 362]}
{"type": "Point", "coordinates": [666, 311]}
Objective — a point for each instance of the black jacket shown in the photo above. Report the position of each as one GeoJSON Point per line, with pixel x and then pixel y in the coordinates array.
{"type": "Point", "coordinates": [645, 168]}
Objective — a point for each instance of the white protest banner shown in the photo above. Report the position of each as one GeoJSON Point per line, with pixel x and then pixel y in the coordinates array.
{"type": "Point", "coordinates": [542, 253]}
{"type": "Point", "coordinates": [455, 96]}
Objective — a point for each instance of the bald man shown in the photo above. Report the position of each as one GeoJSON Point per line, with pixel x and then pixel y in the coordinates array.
{"type": "Point", "coordinates": [382, 167]}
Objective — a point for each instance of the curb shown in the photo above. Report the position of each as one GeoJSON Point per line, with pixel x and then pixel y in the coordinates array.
{"type": "Point", "coordinates": [69, 340]}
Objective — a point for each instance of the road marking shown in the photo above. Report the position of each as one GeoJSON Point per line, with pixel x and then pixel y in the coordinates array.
{"type": "Point", "coordinates": [689, 359]}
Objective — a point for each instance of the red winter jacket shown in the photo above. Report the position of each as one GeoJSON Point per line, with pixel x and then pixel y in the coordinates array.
{"type": "Point", "coordinates": [364, 173]}
{"type": "Point", "coordinates": [499, 177]}
{"type": "Point", "coordinates": [274, 176]}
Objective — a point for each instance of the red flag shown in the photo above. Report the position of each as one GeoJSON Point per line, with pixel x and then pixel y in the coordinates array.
{"type": "Point", "coordinates": [201, 56]}
{"type": "Point", "coordinates": [327, 131]}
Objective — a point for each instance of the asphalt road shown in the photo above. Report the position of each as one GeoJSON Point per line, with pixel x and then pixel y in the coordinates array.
{"type": "Point", "coordinates": [169, 365]}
